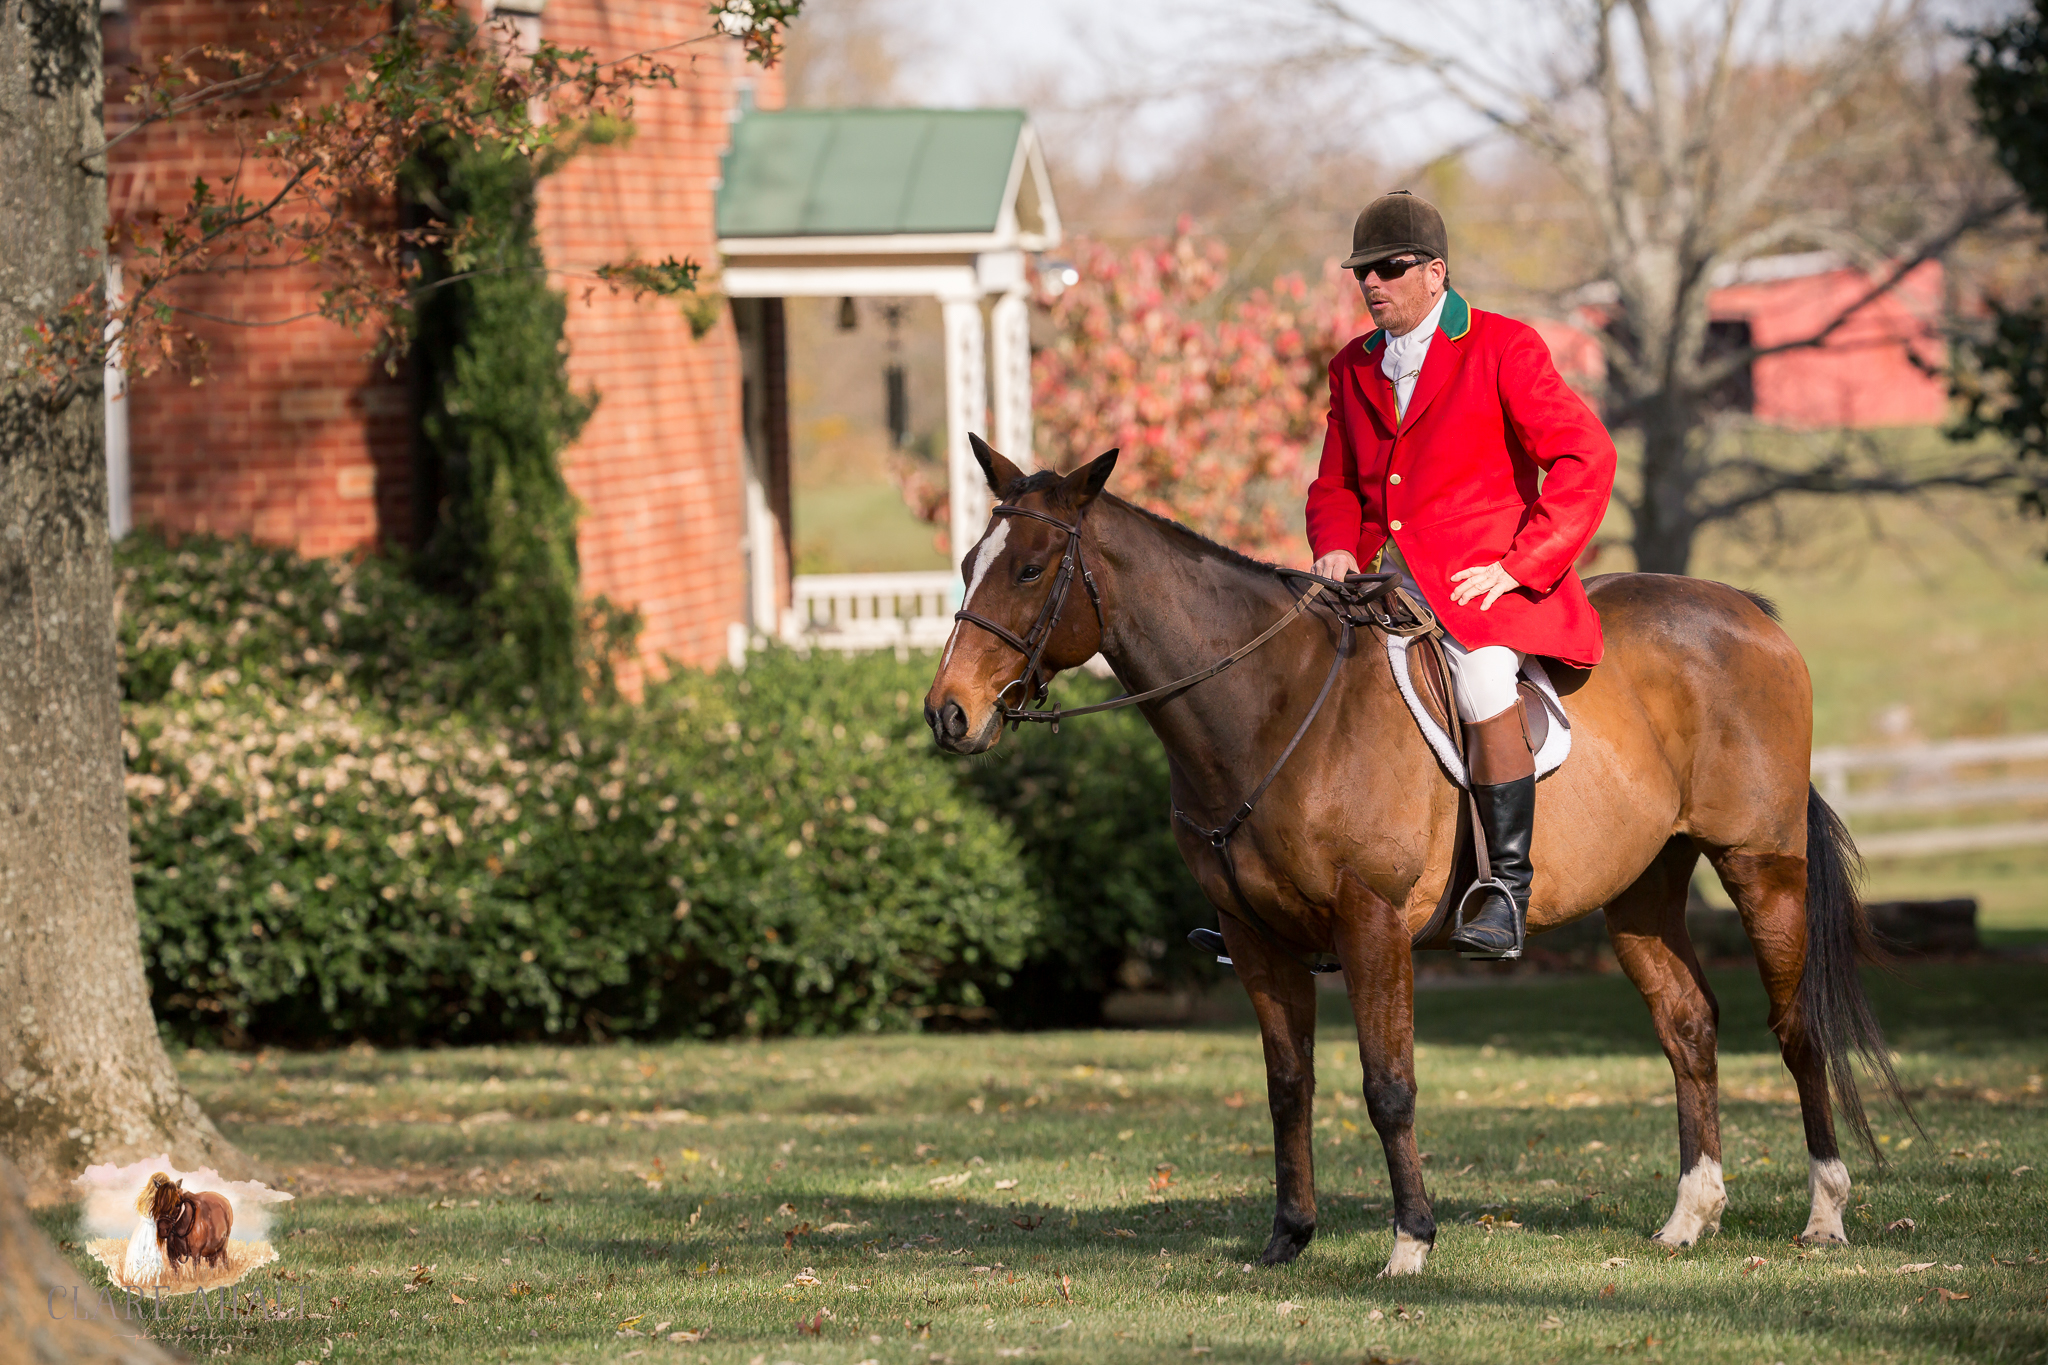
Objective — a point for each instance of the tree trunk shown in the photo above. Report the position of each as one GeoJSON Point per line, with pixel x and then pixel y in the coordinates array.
{"type": "Point", "coordinates": [83, 1075]}
{"type": "Point", "coordinates": [40, 1321]}
{"type": "Point", "coordinates": [1664, 522]}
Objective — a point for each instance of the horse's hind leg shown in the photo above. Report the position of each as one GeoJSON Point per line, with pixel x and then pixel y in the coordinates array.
{"type": "Point", "coordinates": [1647, 925]}
{"type": "Point", "coordinates": [1770, 891]}
{"type": "Point", "coordinates": [1379, 969]}
{"type": "Point", "coordinates": [1283, 996]}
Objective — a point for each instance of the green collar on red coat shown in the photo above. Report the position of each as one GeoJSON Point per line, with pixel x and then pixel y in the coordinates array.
{"type": "Point", "coordinates": [1455, 321]}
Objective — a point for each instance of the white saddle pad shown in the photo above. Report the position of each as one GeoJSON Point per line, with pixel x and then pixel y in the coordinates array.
{"type": "Point", "coordinates": [1556, 744]}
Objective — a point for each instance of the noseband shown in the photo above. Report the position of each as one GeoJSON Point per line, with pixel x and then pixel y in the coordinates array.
{"type": "Point", "coordinates": [1037, 684]}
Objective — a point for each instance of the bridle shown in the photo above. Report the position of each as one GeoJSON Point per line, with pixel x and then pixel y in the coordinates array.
{"type": "Point", "coordinates": [1032, 646]}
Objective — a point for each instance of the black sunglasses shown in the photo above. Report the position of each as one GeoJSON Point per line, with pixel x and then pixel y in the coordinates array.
{"type": "Point", "coordinates": [1389, 270]}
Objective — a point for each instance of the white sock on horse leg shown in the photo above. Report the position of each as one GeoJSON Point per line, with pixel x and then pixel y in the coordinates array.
{"type": "Point", "coordinates": [1828, 1182]}
{"type": "Point", "coordinates": [1408, 1256]}
{"type": "Point", "coordinates": [1701, 1196]}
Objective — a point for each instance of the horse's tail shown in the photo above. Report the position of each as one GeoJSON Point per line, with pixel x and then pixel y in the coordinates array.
{"type": "Point", "coordinates": [1832, 1006]}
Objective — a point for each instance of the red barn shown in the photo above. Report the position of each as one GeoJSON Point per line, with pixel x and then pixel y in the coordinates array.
{"type": "Point", "coordinates": [1880, 368]}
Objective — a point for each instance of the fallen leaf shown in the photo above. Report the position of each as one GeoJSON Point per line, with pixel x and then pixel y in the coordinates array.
{"type": "Point", "coordinates": [1608, 1291]}
{"type": "Point", "coordinates": [1375, 1316]}
{"type": "Point", "coordinates": [807, 1278]}
{"type": "Point", "coordinates": [1283, 1309]}
{"type": "Point", "coordinates": [1028, 1224]}
{"type": "Point", "coordinates": [1006, 1184]}
{"type": "Point", "coordinates": [1952, 1267]}
{"type": "Point", "coordinates": [950, 1182]}
{"type": "Point", "coordinates": [1902, 1225]}
{"type": "Point", "coordinates": [1066, 1289]}
{"type": "Point", "coordinates": [1234, 1100]}
{"type": "Point", "coordinates": [1754, 1263]}
{"type": "Point", "coordinates": [1121, 1232]}
{"type": "Point", "coordinates": [2021, 1170]}
{"type": "Point", "coordinates": [837, 1227]}
{"type": "Point", "coordinates": [785, 1211]}
{"type": "Point", "coordinates": [1914, 1268]}
{"type": "Point", "coordinates": [790, 1234]}
{"type": "Point", "coordinates": [1613, 1262]}
{"type": "Point", "coordinates": [631, 1321]}
{"type": "Point", "coordinates": [659, 1328]}
{"type": "Point", "coordinates": [1950, 1295]}
{"type": "Point", "coordinates": [1550, 1324]}
{"type": "Point", "coordinates": [688, 1338]}
{"type": "Point", "coordinates": [814, 1327]}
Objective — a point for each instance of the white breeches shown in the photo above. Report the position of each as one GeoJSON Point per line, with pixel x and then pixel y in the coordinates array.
{"type": "Point", "coordinates": [1483, 678]}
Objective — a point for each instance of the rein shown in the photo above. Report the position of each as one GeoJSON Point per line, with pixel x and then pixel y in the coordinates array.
{"type": "Point", "coordinates": [1361, 591]}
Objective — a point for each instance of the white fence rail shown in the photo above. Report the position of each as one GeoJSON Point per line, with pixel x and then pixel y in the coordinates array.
{"type": "Point", "coordinates": [1951, 775]}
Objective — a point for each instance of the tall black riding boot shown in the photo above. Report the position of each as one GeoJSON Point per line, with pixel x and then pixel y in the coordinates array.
{"type": "Point", "coordinates": [1503, 776]}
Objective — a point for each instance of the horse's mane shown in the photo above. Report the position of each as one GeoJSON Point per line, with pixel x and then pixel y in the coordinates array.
{"type": "Point", "coordinates": [1047, 481]}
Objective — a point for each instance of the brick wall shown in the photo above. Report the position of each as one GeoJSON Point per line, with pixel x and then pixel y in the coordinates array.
{"type": "Point", "coordinates": [659, 466]}
{"type": "Point", "coordinates": [296, 437]}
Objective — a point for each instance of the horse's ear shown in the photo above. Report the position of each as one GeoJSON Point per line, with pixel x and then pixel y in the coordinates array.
{"type": "Point", "coordinates": [999, 471]}
{"type": "Point", "coordinates": [1079, 488]}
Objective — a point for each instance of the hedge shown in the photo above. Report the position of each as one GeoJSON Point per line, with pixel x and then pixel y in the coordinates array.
{"type": "Point", "coordinates": [333, 839]}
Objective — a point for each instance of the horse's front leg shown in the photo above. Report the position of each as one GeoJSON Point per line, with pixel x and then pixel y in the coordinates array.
{"type": "Point", "coordinates": [1283, 995]}
{"type": "Point", "coordinates": [1379, 973]}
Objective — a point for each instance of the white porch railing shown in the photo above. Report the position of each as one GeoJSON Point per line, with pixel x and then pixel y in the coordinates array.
{"type": "Point", "coordinates": [863, 611]}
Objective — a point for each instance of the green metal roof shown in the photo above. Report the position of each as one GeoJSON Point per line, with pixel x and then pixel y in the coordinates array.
{"type": "Point", "coordinates": [849, 172]}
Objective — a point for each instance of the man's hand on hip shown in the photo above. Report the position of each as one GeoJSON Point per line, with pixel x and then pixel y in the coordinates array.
{"type": "Point", "coordinates": [1335, 565]}
{"type": "Point", "coordinates": [1487, 581]}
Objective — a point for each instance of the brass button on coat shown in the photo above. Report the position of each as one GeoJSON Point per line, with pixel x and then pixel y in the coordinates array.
{"type": "Point", "coordinates": [1393, 478]}
{"type": "Point", "coordinates": [1393, 525]}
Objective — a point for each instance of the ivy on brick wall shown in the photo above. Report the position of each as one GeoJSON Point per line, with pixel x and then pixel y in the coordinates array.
{"type": "Point", "coordinates": [496, 411]}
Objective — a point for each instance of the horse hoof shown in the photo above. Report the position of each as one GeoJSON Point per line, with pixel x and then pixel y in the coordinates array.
{"type": "Point", "coordinates": [1284, 1247]}
{"type": "Point", "coordinates": [1821, 1239]}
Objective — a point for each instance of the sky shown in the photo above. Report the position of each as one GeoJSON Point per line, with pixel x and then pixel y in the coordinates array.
{"type": "Point", "coordinates": [1146, 67]}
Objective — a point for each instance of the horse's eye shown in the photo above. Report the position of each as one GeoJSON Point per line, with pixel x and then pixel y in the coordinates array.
{"type": "Point", "coordinates": [1030, 573]}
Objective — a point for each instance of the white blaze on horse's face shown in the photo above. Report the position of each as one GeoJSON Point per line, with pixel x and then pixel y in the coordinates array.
{"type": "Point", "coordinates": [985, 556]}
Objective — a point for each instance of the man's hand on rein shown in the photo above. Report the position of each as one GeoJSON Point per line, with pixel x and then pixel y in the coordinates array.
{"type": "Point", "coordinates": [1335, 565]}
{"type": "Point", "coordinates": [1491, 580]}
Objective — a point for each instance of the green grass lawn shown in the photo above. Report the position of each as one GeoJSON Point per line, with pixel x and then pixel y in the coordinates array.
{"type": "Point", "coordinates": [1101, 1196]}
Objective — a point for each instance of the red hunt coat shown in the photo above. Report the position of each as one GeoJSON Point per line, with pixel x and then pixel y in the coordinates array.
{"type": "Point", "coordinates": [1456, 485]}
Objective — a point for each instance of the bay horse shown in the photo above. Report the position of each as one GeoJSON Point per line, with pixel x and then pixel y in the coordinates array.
{"type": "Point", "coordinates": [1691, 738]}
{"type": "Point", "coordinates": [190, 1226]}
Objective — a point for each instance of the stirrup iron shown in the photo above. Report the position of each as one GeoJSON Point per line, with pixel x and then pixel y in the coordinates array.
{"type": "Point", "coordinates": [1520, 916]}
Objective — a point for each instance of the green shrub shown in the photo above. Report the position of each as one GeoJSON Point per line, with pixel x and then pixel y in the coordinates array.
{"type": "Point", "coordinates": [1090, 808]}
{"type": "Point", "coordinates": [330, 841]}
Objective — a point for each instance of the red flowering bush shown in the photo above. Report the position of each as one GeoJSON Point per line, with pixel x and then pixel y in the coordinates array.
{"type": "Point", "coordinates": [1217, 401]}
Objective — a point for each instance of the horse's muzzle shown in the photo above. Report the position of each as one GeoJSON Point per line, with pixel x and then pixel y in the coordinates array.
{"type": "Point", "coordinates": [951, 731]}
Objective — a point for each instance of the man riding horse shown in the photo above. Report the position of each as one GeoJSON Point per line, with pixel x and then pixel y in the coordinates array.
{"type": "Point", "coordinates": [1441, 422]}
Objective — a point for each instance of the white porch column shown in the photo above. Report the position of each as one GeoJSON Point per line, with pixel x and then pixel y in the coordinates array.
{"type": "Point", "coordinates": [120, 505]}
{"type": "Point", "coordinates": [966, 410]}
{"type": "Point", "coordinates": [1010, 360]}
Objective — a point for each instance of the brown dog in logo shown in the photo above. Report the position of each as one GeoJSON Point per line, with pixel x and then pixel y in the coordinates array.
{"type": "Point", "coordinates": [190, 1226]}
